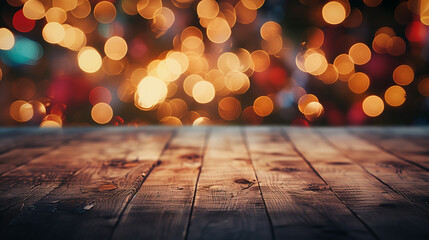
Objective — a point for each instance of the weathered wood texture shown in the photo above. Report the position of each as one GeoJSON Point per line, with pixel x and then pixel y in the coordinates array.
{"type": "Point", "coordinates": [214, 183]}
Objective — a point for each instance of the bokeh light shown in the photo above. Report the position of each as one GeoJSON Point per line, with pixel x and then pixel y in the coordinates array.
{"type": "Point", "coordinates": [360, 53]}
{"type": "Point", "coordinates": [101, 113]}
{"type": "Point", "coordinates": [373, 106]}
{"type": "Point", "coordinates": [263, 106]}
{"type": "Point", "coordinates": [395, 96]}
{"type": "Point", "coordinates": [334, 12]}
{"type": "Point", "coordinates": [7, 40]}
{"type": "Point", "coordinates": [33, 9]}
{"type": "Point", "coordinates": [116, 48]}
{"type": "Point", "coordinates": [105, 12]}
{"type": "Point", "coordinates": [89, 60]}
{"type": "Point", "coordinates": [359, 82]}
{"type": "Point", "coordinates": [203, 92]}
{"type": "Point", "coordinates": [403, 75]}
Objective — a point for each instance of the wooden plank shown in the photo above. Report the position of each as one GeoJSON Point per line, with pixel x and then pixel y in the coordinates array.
{"type": "Point", "coordinates": [386, 212]}
{"type": "Point", "coordinates": [228, 202]}
{"type": "Point", "coordinates": [34, 145]}
{"type": "Point", "coordinates": [97, 178]}
{"type": "Point", "coordinates": [162, 206]}
{"type": "Point", "coordinates": [406, 179]}
{"type": "Point", "coordinates": [300, 204]}
{"type": "Point", "coordinates": [29, 137]}
{"type": "Point", "coordinates": [401, 147]}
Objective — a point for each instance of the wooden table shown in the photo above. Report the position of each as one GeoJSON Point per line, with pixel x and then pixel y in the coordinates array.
{"type": "Point", "coordinates": [214, 183]}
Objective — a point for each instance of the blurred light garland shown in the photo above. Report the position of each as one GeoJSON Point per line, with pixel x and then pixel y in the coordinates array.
{"type": "Point", "coordinates": [207, 62]}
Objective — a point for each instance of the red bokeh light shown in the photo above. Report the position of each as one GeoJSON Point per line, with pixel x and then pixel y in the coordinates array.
{"type": "Point", "coordinates": [21, 23]}
{"type": "Point", "coordinates": [100, 94]}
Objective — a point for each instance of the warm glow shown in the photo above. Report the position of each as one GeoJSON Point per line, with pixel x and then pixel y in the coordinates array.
{"type": "Point", "coordinates": [218, 30]}
{"type": "Point", "coordinates": [89, 59]}
{"type": "Point", "coordinates": [380, 42]}
{"type": "Point", "coordinates": [228, 62]}
{"type": "Point", "coordinates": [105, 12]}
{"type": "Point", "coordinates": [53, 32]}
{"type": "Point", "coordinates": [358, 82]}
{"type": "Point", "coordinates": [424, 12]}
{"type": "Point", "coordinates": [207, 9]}
{"type": "Point", "coordinates": [56, 15]}
{"type": "Point", "coordinates": [101, 113]}
{"type": "Point", "coordinates": [189, 83]}
{"type": "Point", "coordinates": [21, 111]}
{"type": "Point", "coordinates": [396, 46]}
{"type": "Point", "coordinates": [162, 21]}
{"type": "Point", "coordinates": [315, 63]}
{"type": "Point", "coordinates": [171, 121]}
{"type": "Point", "coordinates": [181, 58]}
{"type": "Point", "coordinates": [66, 5]}
{"type": "Point", "coordinates": [50, 124]}
{"type": "Point", "coordinates": [82, 10]}
{"type": "Point", "coordinates": [263, 106]}
{"type": "Point", "coordinates": [33, 9]}
{"type": "Point", "coordinates": [116, 48]}
{"type": "Point", "coordinates": [201, 121]}
{"type": "Point", "coordinates": [229, 108]}
{"type": "Point", "coordinates": [150, 91]}
{"type": "Point", "coordinates": [7, 40]}
{"type": "Point", "coordinates": [169, 70]}
{"type": "Point", "coordinates": [313, 110]}
{"type": "Point", "coordinates": [253, 4]}
{"type": "Point", "coordinates": [305, 100]}
{"type": "Point", "coordinates": [245, 58]}
{"type": "Point", "coordinates": [228, 12]}
{"type": "Point", "coordinates": [316, 37]}
{"type": "Point", "coordinates": [334, 12]}
{"type": "Point", "coordinates": [203, 92]}
{"type": "Point", "coordinates": [149, 8]}
{"type": "Point", "coordinates": [330, 75]}
{"type": "Point", "coordinates": [74, 38]}
{"type": "Point", "coordinates": [373, 106]}
{"type": "Point", "coordinates": [395, 96]}
{"type": "Point", "coordinates": [403, 75]}
{"type": "Point", "coordinates": [360, 53]}
{"type": "Point", "coordinates": [344, 64]}
{"type": "Point", "coordinates": [193, 44]}
{"type": "Point", "coordinates": [244, 14]}
{"type": "Point", "coordinates": [261, 60]}
{"type": "Point", "coordinates": [237, 82]}
{"type": "Point", "coordinates": [270, 30]}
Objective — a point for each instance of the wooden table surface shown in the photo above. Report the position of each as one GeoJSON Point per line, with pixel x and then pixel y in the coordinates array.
{"type": "Point", "coordinates": [214, 183]}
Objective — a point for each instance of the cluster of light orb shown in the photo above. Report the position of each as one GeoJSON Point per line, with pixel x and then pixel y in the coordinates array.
{"type": "Point", "coordinates": [202, 61]}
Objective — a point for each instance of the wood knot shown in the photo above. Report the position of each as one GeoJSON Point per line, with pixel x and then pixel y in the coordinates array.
{"type": "Point", "coordinates": [245, 182]}
{"type": "Point", "coordinates": [107, 187]}
{"type": "Point", "coordinates": [191, 156]}
{"type": "Point", "coordinates": [120, 163]}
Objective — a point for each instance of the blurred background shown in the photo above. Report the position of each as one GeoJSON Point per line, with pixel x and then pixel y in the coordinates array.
{"type": "Point", "coordinates": [191, 62]}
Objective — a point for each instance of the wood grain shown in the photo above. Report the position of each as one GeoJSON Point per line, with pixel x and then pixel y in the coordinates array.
{"type": "Point", "coordinates": [403, 177]}
{"type": "Point", "coordinates": [385, 212]}
{"type": "Point", "coordinates": [401, 146]}
{"type": "Point", "coordinates": [228, 203]}
{"type": "Point", "coordinates": [300, 204]}
{"type": "Point", "coordinates": [214, 183]}
{"type": "Point", "coordinates": [161, 208]}
{"type": "Point", "coordinates": [87, 201]}
{"type": "Point", "coordinates": [26, 147]}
